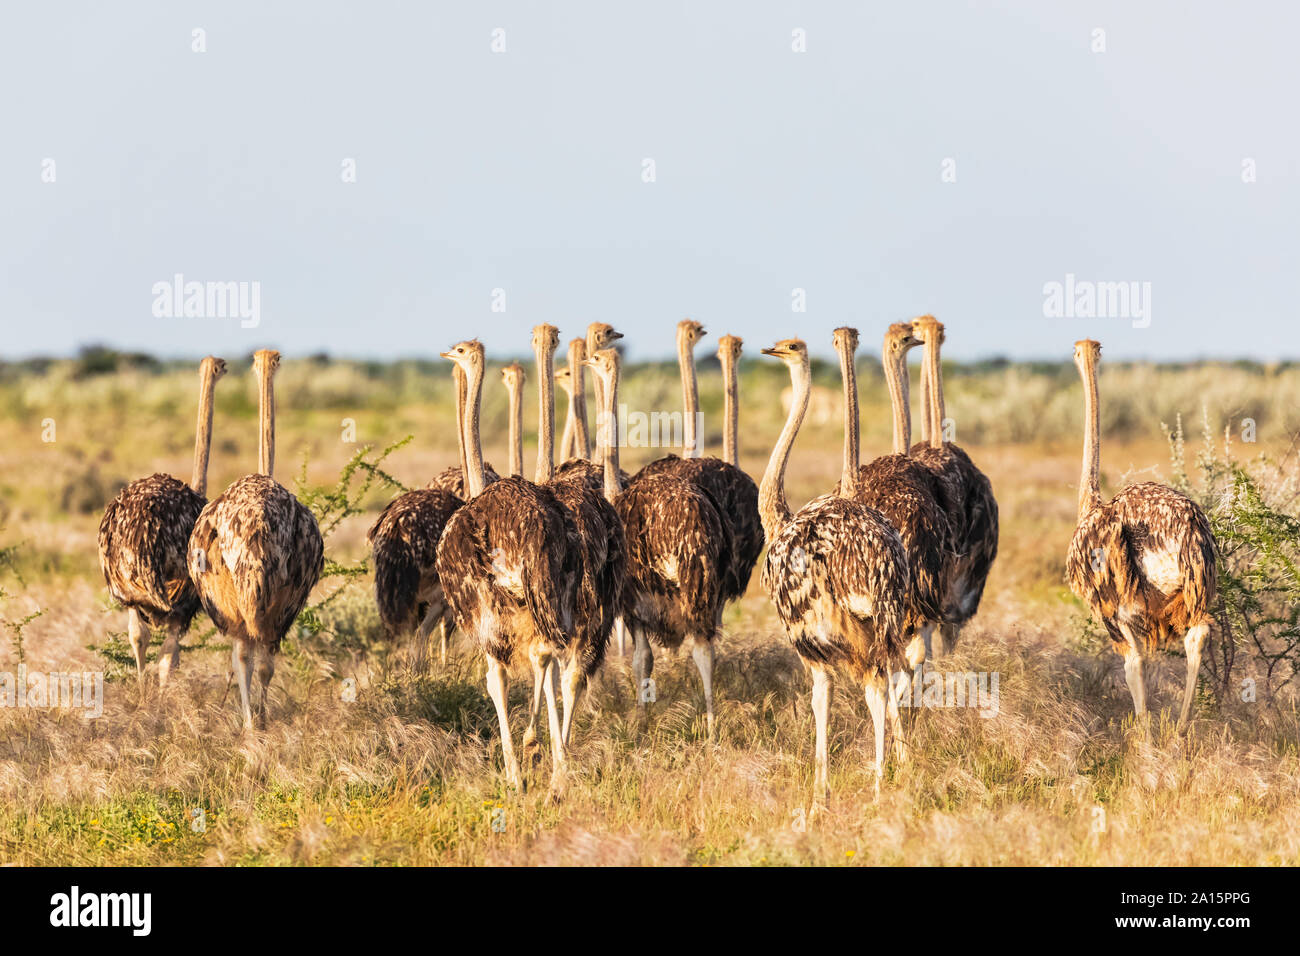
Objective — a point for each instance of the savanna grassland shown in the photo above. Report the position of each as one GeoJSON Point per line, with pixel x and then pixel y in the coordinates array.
{"type": "Point", "coordinates": [408, 772]}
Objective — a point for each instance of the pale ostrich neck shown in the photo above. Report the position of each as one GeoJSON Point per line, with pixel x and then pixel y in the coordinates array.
{"type": "Point", "coordinates": [690, 397]}
{"type": "Point", "coordinates": [203, 433]}
{"type": "Point", "coordinates": [607, 436]}
{"type": "Point", "coordinates": [578, 398]}
{"type": "Point", "coordinates": [934, 389]}
{"type": "Point", "coordinates": [1090, 476]}
{"type": "Point", "coordinates": [772, 505]}
{"type": "Point", "coordinates": [473, 440]}
{"type": "Point", "coordinates": [516, 430]}
{"type": "Point", "coordinates": [266, 417]}
{"type": "Point", "coordinates": [895, 366]}
{"type": "Point", "coordinates": [567, 439]}
{"type": "Point", "coordinates": [458, 378]}
{"type": "Point", "coordinates": [598, 386]}
{"type": "Point", "coordinates": [925, 401]}
{"type": "Point", "coordinates": [545, 470]}
{"type": "Point", "coordinates": [852, 453]}
{"type": "Point", "coordinates": [731, 413]}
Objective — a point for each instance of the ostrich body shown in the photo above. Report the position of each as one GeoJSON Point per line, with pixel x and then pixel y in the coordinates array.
{"type": "Point", "coordinates": [510, 567]}
{"type": "Point", "coordinates": [676, 560]}
{"type": "Point", "coordinates": [733, 493]}
{"type": "Point", "coordinates": [1145, 563]}
{"type": "Point", "coordinates": [903, 491]}
{"type": "Point", "coordinates": [255, 555]}
{"type": "Point", "coordinates": [837, 573]}
{"type": "Point", "coordinates": [143, 538]}
{"type": "Point", "coordinates": [964, 492]}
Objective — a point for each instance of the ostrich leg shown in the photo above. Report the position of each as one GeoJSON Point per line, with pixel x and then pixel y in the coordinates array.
{"type": "Point", "coordinates": [139, 636]}
{"type": "Point", "coordinates": [496, 684]}
{"type": "Point", "coordinates": [1192, 642]}
{"type": "Point", "coordinates": [170, 656]}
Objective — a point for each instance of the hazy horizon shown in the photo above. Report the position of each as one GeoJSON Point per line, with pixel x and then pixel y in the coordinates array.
{"type": "Point", "coordinates": [378, 178]}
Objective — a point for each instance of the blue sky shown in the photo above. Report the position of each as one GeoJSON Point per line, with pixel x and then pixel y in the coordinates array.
{"type": "Point", "coordinates": [774, 170]}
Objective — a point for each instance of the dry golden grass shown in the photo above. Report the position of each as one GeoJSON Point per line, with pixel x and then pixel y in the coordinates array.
{"type": "Point", "coordinates": [409, 772]}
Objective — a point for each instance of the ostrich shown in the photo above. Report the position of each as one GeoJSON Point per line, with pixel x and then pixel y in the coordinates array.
{"type": "Point", "coordinates": [1145, 564]}
{"type": "Point", "coordinates": [255, 555]}
{"type": "Point", "coordinates": [142, 542]}
{"type": "Point", "coordinates": [837, 572]}
{"type": "Point", "coordinates": [965, 493]}
{"type": "Point", "coordinates": [600, 335]}
{"type": "Point", "coordinates": [510, 566]}
{"type": "Point", "coordinates": [404, 540]}
{"type": "Point", "coordinates": [603, 548]}
{"type": "Point", "coordinates": [903, 491]}
{"type": "Point", "coordinates": [569, 441]}
{"type": "Point", "coordinates": [676, 560]}
{"type": "Point", "coordinates": [453, 479]}
{"type": "Point", "coordinates": [733, 493]}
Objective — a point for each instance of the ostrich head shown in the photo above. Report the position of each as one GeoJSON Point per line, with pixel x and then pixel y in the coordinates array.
{"type": "Point", "coordinates": [513, 376]}
{"type": "Point", "coordinates": [729, 347]}
{"type": "Point", "coordinates": [564, 379]}
{"type": "Point", "coordinates": [468, 356]}
{"type": "Point", "coordinates": [689, 332]}
{"type": "Point", "coordinates": [793, 352]}
{"type": "Point", "coordinates": [899, 340]}
{"type": "Point", "coordinates": [927, 326]}
{"type": "Point", "coordinates": [845, 339]}
{"type": "Point", "coordinates": [266, 361]}
{"type": "Point", "coordinates": [213, 367]}
{"type": "Point", "coordinates": [1087, 352]}
{"type": "Point", "coordinates": [604, 364]}
{"type": "Point", "coordinates": [546, 338]}
{"type": "Point", "coordinates": [601, 335]}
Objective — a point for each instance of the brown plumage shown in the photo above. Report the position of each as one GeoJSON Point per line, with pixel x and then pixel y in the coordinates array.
{"type": "Point", "coordinates": [255, 555]}
{"type": "Point", "coordinates": [732, 492]}
{"type": "Point", "coordinates": [143, 538]}
{"type": "Point", "coordinates": [510, 566]}
{"type": "Point", "coordinates": [1145, 564]}
{"type": "Point", "coordinates": [836, 572]}
{"type": "Point", "coordinates": [903, 491]}
{"type": "Point", "coordinates": [672, 591]}
{"type": "Point", "coordinates": [964, 492]}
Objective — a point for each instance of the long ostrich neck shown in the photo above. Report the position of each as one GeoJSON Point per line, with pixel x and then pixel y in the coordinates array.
{"type": "Point", "coordinates": [731, 398]}
{"type": "Point", "coordinates": [203, 433]}
{"type": "Point", "coordinates": [458, 377]}
{"type": "Point", "coordinates": [772, 505]}
{"type": "Point", "coordinates": [925, 401]}
{"type": "Point", "coordinates": [266, 416]}
{"type": "Point", "coordinates": [598, 386]}
{"type": "Point", "coordinates": [1090, 477]}
{"type": "Point", "coordinates": [607, 436]}
{"type": "Point", "coordinates": [474, 398]}
{"type": "Point", "coordinates": [852, 453]}
{"type": "Point", "coordinates": [690, 397]}
{"type": "Point", "coordinates": [934, 389]}
{"type": "Point", "coordinates": [516, 430]}
{"type": "Point", "coordinates": [567, 440]}
{"type": "Point", "coordinates": [546, 415]}
{"type": "Point", "coordinates": [895, 366]}
{"type": "Point", "coordinates": [578, 399]}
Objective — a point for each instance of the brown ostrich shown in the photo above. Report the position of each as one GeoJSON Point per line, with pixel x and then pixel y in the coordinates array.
{"type": "Point", "coordinates": [603, 549]}
{"type": "Point", "coordinates": [510, 564]}
{"type": "Point", "coordinates": [600, 335]}
{"type": "Point", "coordinates": [965, 493]}
{"type": "Point", "coordinates": [142, 542]}
{"type": "Point", "coordinates": [837, 573]}
{"type": "Point", "coordinates": [903, 490]}
{"type": "Point", "coordinates": [255, 555]}
{"type": "Point", "coordinates": [733, 493]}
{"type": "Point", "coordinates": [676, 559]}
{"type": "Point", "coordinates": [1145, 564]}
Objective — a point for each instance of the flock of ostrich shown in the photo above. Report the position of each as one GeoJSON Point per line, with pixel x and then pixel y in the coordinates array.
{"type": "Point", "coordinates": [549, 571]}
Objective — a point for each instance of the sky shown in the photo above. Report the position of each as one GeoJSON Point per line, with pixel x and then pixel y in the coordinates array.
{"type": "Point", "coordinates": [388, 178]}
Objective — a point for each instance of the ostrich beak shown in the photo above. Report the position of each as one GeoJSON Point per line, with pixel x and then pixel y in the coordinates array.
{"type": "Point", "coordinates": [615, 335]}
{"type": "Point", "coordinates": [769, 351]}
